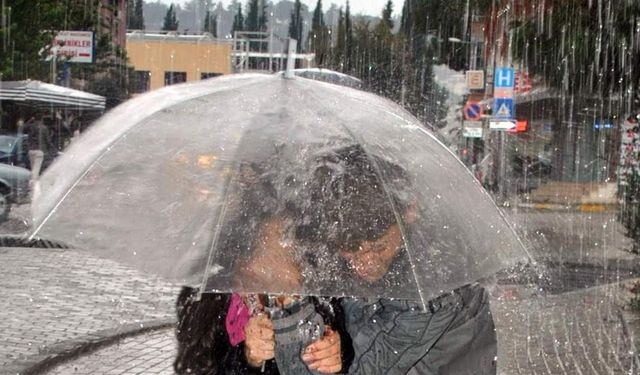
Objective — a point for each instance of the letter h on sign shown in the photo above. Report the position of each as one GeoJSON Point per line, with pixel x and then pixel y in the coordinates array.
{"type": "Point", "coordinates": [505, 77]}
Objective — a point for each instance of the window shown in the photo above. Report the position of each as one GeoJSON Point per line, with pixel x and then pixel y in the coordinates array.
{"type": "Point", "coordinates": [142, 81]}
{"type": "Point", "coordinates": [209, 75]}
{"type": "Point", "coordinates": [171, 78]}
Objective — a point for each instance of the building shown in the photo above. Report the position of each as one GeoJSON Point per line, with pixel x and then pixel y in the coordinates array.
{"type": "Point", "coordinates": [166, 59]}
{"type": "Point", "coordinates": [113, 21]}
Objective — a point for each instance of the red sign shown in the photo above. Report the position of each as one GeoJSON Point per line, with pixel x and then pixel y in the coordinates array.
{"type": "Point", "coordinates": [521, 127]}
{"type": "Point", "coordinates": [523, 83]}
{"type": "Point", "coordinates": [472, 111]}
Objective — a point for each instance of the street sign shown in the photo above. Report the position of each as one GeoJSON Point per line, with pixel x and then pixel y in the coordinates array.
{"type": "Point", "coordinates": [499, 124]}
{"type": "Point", "coordinates": [472, 129]}
{"type": "Point", "coordinates": [472, 111]}
{"type": "Point", "coordinates": [503, 108]}
{"type": "Point", "coordinates": [505, 77]}
{"type": "Point", "coordinates": [521, 127]}
{"type": "Point", "coordinates": [472, 132]}
{"type": "Point", "coordinates": [475, 79]}
{"type": "Point", "coordinates": [77, 46]}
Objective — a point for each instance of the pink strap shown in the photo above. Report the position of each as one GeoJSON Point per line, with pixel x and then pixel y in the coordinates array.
{"type": "Point", "coordinates": [237, 317]}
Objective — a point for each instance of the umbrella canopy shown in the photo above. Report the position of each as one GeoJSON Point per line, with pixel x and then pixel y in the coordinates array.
{"type": "Point", "coordinates": [42, 94]}
{"type": "Point", "coordinates": [265, 184]}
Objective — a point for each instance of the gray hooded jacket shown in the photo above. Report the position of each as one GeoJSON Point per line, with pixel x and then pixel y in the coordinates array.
{"type": "Point", "coordinates": [455, 336]}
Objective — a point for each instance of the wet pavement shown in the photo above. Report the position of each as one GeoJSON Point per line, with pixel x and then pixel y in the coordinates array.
{"type": "Point", "coordinates": [578, 332]}
{"type": "Point", "coordinates": [570, 322]}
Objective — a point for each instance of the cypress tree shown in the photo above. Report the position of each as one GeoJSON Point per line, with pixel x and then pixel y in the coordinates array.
{"type": "Point", "coordinates": [238, 21]}
{"type": "Point", "coordinates": [170, 21]}
{"type": "Point", "coordinates": [295, 26]}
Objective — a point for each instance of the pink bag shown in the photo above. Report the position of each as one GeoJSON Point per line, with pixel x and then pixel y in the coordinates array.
{"type": "Point", "coordinates": [237, 318]}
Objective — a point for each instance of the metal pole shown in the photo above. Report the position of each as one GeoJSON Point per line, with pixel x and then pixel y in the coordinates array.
{"type": "Point", "coordinates": [53, 67]}
{"type": "Point", "coordinates": [291, 60]}
{"type": "Point", "coordinates": [503, 165]}
{"type": "Point", "coordinates": [271, 44]}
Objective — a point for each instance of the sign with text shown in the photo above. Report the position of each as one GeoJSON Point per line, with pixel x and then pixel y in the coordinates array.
{"type": "Point", "coordinates": [472, 129]}
{"type": "Point", "coordinates": [475, 79]}
{"type": "Point", "coordinates": [499, 124]}
{"type": "Point", "coordinates": [505, 77]}
{"type": "Point", "coordinates": [504, 83]}
{"type": "Point", "coordinates": [77, 46]}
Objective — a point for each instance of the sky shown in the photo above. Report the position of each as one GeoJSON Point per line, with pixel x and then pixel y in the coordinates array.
{"type": "Point", "coordinates": [368, 7]}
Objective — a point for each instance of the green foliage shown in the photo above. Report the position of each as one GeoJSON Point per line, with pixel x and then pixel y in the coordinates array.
{"type": "Point", "coordinates": [583, 48]}
{"type": "Point", "coordinates": [238, 21]}
{"type": "Point", "coordinates": [135, 17]}
{"type": "Point", "coordinates": [295, 26]}
{"type": "Point", "coordinates": [386, 21]}
{"type": "Point", "coordinates": [31, 25]}
{"type": "Point", "coordinates": [170, 22]}
{"type": "Point", "coordinates": [211, 24]}
{"type": "Point", "coordinates": [398, 66]}
{"type": "Point", "coordinates": [256, 16]}
{"type": "Point", "coordinates": [319, 36]}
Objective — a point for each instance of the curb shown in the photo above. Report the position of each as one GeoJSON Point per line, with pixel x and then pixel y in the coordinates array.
{"type": "Point", "coordinates": [66, 350]}
{"type": "Point", "coordinates": [581, 207]}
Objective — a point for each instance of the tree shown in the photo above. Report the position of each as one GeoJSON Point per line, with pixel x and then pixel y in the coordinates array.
{"type": "Point", "coordinates": [135, 15]}
{"type": "Point", "coordinates": [348, 39]}
{"type": "Point", "coordinates": [238, 21]}
{"type": "Point", "coordinates": [319, 35]}
{"type": "Point", "coordinates": [386, 16]}
{"type": "Point", "coordinates": [295, 26]}
{"type": "Point", "coordinates": [339, 50]}
{"type": "Point", "coordinates": [251, 23]}
{"type": "Point", "coordinates": [256, 16]}
{"type": "Point", "coordinates": [30, 26]}
{"type": "Point", "coordinates": [211, 24]}
{"type": "Point", "coordinates": [170, 21]}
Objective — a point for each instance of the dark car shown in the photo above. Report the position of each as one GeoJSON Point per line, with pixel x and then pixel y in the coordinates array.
{"type": "Point", "coordinates": [14, 187]}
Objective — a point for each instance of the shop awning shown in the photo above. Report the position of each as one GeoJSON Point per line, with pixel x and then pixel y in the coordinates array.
{"type": "Point", "coordinates": [46, 95]}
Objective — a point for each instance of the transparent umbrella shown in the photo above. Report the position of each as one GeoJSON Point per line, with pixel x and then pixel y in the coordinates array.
{"type": "Point", "coordinates": [257, 183]}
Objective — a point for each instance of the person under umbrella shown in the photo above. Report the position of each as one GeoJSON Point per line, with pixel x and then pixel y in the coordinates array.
{"type": "Point", "coordinates": [222, 333]}
{"type": "Point", "coordinates": [355, 214]}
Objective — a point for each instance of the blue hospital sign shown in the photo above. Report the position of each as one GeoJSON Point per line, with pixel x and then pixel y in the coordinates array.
{"type": "Point", "coordinates": [505, 77]}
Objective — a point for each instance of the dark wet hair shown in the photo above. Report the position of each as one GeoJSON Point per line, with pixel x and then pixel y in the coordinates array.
{"type": "Point", "coordinates": [202, 339]}
{"type": "Point", "coordinates": [353, 197]}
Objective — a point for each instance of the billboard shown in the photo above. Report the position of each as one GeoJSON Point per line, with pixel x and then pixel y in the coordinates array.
{"type": "Point", "coordinates": [77, 46]}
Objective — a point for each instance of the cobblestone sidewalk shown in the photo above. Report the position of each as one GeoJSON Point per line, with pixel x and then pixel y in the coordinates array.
{"type": "Point", "coordinates": [56, 300]}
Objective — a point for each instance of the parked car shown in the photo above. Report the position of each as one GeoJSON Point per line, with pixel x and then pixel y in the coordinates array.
{"type": "Point", "coordinates": [14, 150]}
{"type": "Point", "coordinates": [14, 187]}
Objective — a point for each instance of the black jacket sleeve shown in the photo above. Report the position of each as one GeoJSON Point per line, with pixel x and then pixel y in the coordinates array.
{"type": "Point", "coordinates": [334, 316]}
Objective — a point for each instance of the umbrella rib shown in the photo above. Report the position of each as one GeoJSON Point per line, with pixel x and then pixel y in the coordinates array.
{"type": "Point", "coordinates": [217, 230]}
{"type": "Point", "coordinates": [399, 219]}
{"type": "Point", "coordinates": [106, 150]}
{"type": "Point", "coordinates": [531, 259]}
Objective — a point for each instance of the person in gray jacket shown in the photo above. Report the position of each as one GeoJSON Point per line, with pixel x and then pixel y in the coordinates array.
{"type": "Point", "coordinates": [455, 334]}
